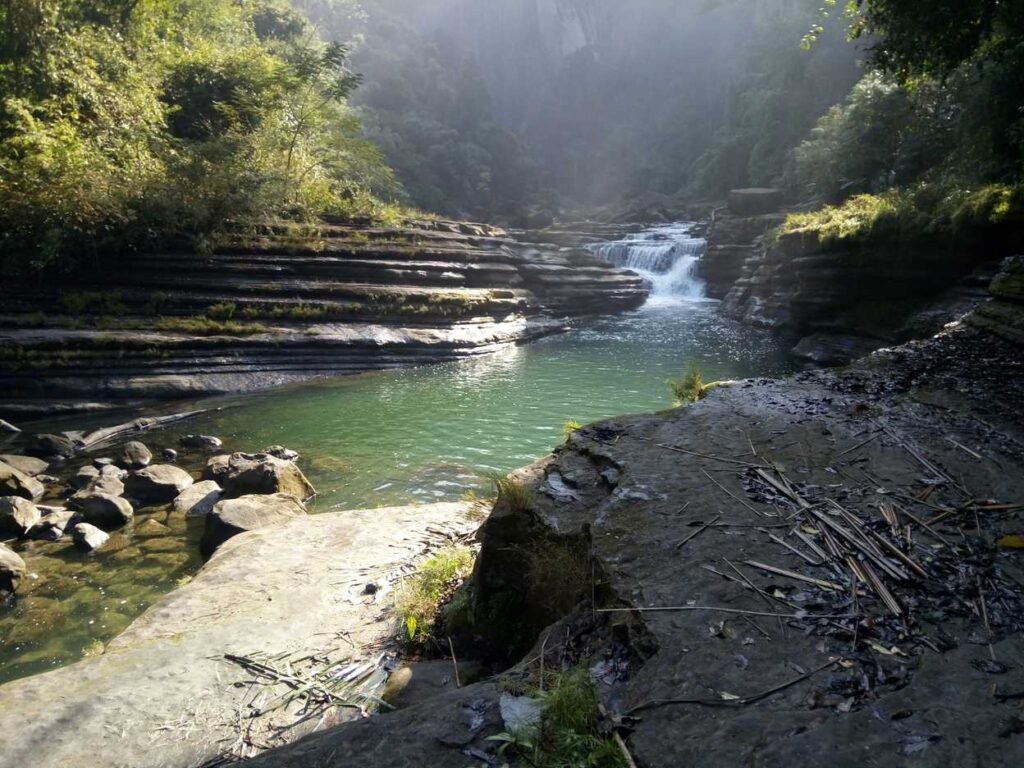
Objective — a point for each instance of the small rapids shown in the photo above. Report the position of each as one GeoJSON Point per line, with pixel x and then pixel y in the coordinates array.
{"type": "Point", "coordinates": [666, 256]}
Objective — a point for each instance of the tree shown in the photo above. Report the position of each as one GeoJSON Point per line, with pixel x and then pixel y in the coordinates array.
{"type": "Point", "coordinates": [933, 38]}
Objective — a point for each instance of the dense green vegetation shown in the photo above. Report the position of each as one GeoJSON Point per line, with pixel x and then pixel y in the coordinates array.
{"type": "Point", "coordinates": [128, 121]}
{"type": "Point", "coordinates": [930, 143]}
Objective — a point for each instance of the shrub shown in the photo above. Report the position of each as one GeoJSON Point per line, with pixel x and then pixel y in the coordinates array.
{"type": "Point", "coordinates": [687, 389]}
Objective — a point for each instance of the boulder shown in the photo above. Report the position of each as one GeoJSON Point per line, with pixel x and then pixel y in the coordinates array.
{"type": "Point", "coordinates": [104, 510]}
{"type": "Point", "coordinates": [198, 499]}
{"type": "Point", "coordinates": [755, 201]}
{"type": "Point", "coordinates": [85, 476]}
{"type": "Point", "coordinates": [14, 482]}
{"type": "Point", "coordinates": [18, 515]}
{"type": "Point", "coordinates": [12, 570]}
{"type": "Point", "coordinates": [169, 454]}
{"type": "Point", "coordinates": [89, 537]}
{"type": "Point", "coordinates": [136, 455]}
{"type": "Point", "coordinates": [46, 446]}
{"type": "Point", "coordinates": [248, 513]}
{"type": "Point", "coordinates": [244, 474]}
{"type": "Point", "coordinates": [280, 452]}
{"type": "Point", "coordinates": [107, 484]}
{"type": "Point", "coordinates": [54, 524]}
{"type": "Point", "coordinates": [27, 464]}
{"type": "Point", "coordinates": [157, 484]}
{"type": "Point", "coordinates": [201, 442]}
{"type": "Point", "coordinates": [110, 470]}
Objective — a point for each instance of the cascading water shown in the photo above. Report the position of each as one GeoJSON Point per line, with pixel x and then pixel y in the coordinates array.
{"type": "Point", "coordinates": [666, 256]}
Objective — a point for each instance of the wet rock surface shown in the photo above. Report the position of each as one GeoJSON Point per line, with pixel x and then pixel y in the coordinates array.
{"type": "Point", "coordinates": [165, 695]}
{"type": "Point", "coordinates": [731, 627]}
{"type": "Point", "coordinates": [232, 517]}
{"type": "Point", "coordinates": [157, 484]}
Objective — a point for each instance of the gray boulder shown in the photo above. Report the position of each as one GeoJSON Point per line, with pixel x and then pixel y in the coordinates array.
{"type": "Point", "coordinates": [54, 524]}
{"type": "Point", "coordinates": [13, 482]}
{"type": "Point", "coordinates": [89, 537]}
{"type": "Point", "coordinates": [280, 452]}
{"type": "Point", "coordinates": [202, 442]}
{"type": "Point", "coordinates": [104, 510]}
{"type": "Point", "coordinates": [136, 455]}
{"type": "Point", "coordinates": [46, 446]}
{"type": "Point", "coordinates": [248, 513]}
{"type": "Point", "coordinates": [85, 476]}
{"type": "Point", "coordinates": [198, 499]}
{"type": "Point", "coordinates": [12, 570]}
{"type": "Point", "coordinates": [157, 484]}
{"type": "Point", "coordinates": [242, 474]}
{"type": "Point", "coordinates": [27, 464]}
{"type": "Point", "coordinates": [18, 515]}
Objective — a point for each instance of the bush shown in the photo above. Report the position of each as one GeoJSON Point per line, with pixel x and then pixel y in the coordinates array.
{"type": "Point", "coordinates": [687, 389]}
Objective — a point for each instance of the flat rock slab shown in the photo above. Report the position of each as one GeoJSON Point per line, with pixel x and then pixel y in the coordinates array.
{"type": "Point", "coordinates": [162, 696]}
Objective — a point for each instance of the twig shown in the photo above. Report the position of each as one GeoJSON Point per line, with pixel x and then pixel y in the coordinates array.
{"type": "Point", "coordinates": [734, 496]}
{"type": "Point", "coordinates": [740, 702]}
{"type": "Point", "coordinates": [806, 558]}
{"type": "Point", "coordinates": [706, 456]}
{"type": "Point", "coordinates": [619, 741]}
{"type": "Point", "coordinates": [794, 575]}
{"type": "Point", "coordinates": [455, 664]}
{"type": "Point", "coordinates": [737, 611]}
{"type": "Point", "coordinates": [697, 533]}
{"type": "Point", "coordinates": [966, 450]}
{"type": "Point", "coordinates": [861, 444]}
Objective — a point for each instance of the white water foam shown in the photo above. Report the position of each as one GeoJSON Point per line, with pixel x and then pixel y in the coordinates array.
{"type": "Point", "coordinates": [666, 256]}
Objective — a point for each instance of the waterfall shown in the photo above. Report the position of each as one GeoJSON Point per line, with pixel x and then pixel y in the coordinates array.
{"type": "Point", "coordinates": [666, 256]}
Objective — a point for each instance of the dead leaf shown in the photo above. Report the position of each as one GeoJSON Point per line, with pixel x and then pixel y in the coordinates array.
{"type": "Point", "coordinates": [1012, 541]}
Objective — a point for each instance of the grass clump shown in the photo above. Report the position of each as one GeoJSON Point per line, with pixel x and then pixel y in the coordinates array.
{"type": "Point", "coordinates": [225, 310]}
{"type": "Point", "coordinates": [568, 735]}
{"type": "Point", "coordinates": [205, 326]}
{"type": "Point", "coordinates": [687, 389]}
{"type": "Point", "coordinates": [570, 427]}
{"type": "Point", "coordinates": [421, 596]}
{"type": "Point", "coordinates": [518, 497]}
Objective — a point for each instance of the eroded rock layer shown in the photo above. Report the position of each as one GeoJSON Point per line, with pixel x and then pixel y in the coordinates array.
{"type": "Point", "coordinates": [291, 303]}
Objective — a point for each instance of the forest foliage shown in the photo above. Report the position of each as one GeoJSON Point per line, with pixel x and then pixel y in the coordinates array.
{"type": "Point", "coordinates": [130, 122]}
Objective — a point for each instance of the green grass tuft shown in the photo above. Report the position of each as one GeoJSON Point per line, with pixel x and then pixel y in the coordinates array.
{"type": "Point", "coordinates": [420, 597]}
{"type": "Point", "coordinates": [687, 389]}
{"type": "Point", "coordinates": [518, 497]}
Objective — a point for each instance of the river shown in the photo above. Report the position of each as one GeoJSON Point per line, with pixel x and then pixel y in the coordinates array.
{"type": "Point", "coordinates": [414, 435]}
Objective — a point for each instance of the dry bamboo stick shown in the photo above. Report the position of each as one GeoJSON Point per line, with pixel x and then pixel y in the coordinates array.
{"type": "Point", "coordinates": [794, 575]}
{"type": "Point", "coordinates": [698, 532]}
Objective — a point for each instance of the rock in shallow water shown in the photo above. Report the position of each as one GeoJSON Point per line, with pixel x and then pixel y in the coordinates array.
{"type": "Point", "coordinates": [157, 484]}
{"type": "Point", "coordinates": [18, 515]}
{"type": "Point", "coordinates": [46, 446]}
{"type": "Point", "coordinates": [104, 510]}
{"type": "Point", "coordinates": [244, 473]}
{"type": "Point", "coordinates": [13, 482]}
{"type": "Point", "coordinates": [12, 570]}
{"type": "Point", "coordinates": [53, 524]}
{"type": "Point", "coordinates": [89, 537]}
{"type": "Point", "coordinates": [248, 513]}
{"type": "Point", "coordinates": [201, 442]}
{"type": "Point", "coordinates": [136, 455]}
{"type": "Point", "coordinates": [27, 464]}
{"type": "Point", "coordinates": [198, 499]}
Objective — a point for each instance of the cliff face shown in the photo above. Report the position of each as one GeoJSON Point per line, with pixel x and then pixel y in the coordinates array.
{"type": "Point", "coordinates": [291, 304]}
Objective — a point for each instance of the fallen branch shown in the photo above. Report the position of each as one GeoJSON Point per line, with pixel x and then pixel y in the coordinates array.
{"type": "Point", "coordinates": [99, 436]}
{"type": "Point", "coordinates": [698, 532]}
{"type": "Point", "coordinates": [739, 702]}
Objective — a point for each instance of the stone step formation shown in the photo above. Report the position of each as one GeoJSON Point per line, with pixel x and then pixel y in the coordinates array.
{"type": "Point", "coordinates": [288, 303]}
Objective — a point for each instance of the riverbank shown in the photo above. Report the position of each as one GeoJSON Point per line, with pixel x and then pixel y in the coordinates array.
{"type": "Point", "coordinates": [720, 624]}
{"type": "Point", "coordinates": [701, 657]}
{"type": "Point", "coordinates": [286, 305]}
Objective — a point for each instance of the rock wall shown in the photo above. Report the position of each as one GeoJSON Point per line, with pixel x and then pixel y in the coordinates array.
{"type": "Point", "coordinates": [289, 304]}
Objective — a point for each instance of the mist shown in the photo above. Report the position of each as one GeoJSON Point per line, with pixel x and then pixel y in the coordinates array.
{"type": "Point", "coordinates": [486, 109]}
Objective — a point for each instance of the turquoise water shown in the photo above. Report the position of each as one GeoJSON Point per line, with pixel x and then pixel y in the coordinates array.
{"type": "Point", "coordinates": [415, 435]}
{"type": "Point", "coordinates": [427, 434]}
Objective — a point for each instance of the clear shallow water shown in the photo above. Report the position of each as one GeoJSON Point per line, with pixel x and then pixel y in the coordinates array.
{"type": "Point", "coordinates": [415, 435]}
